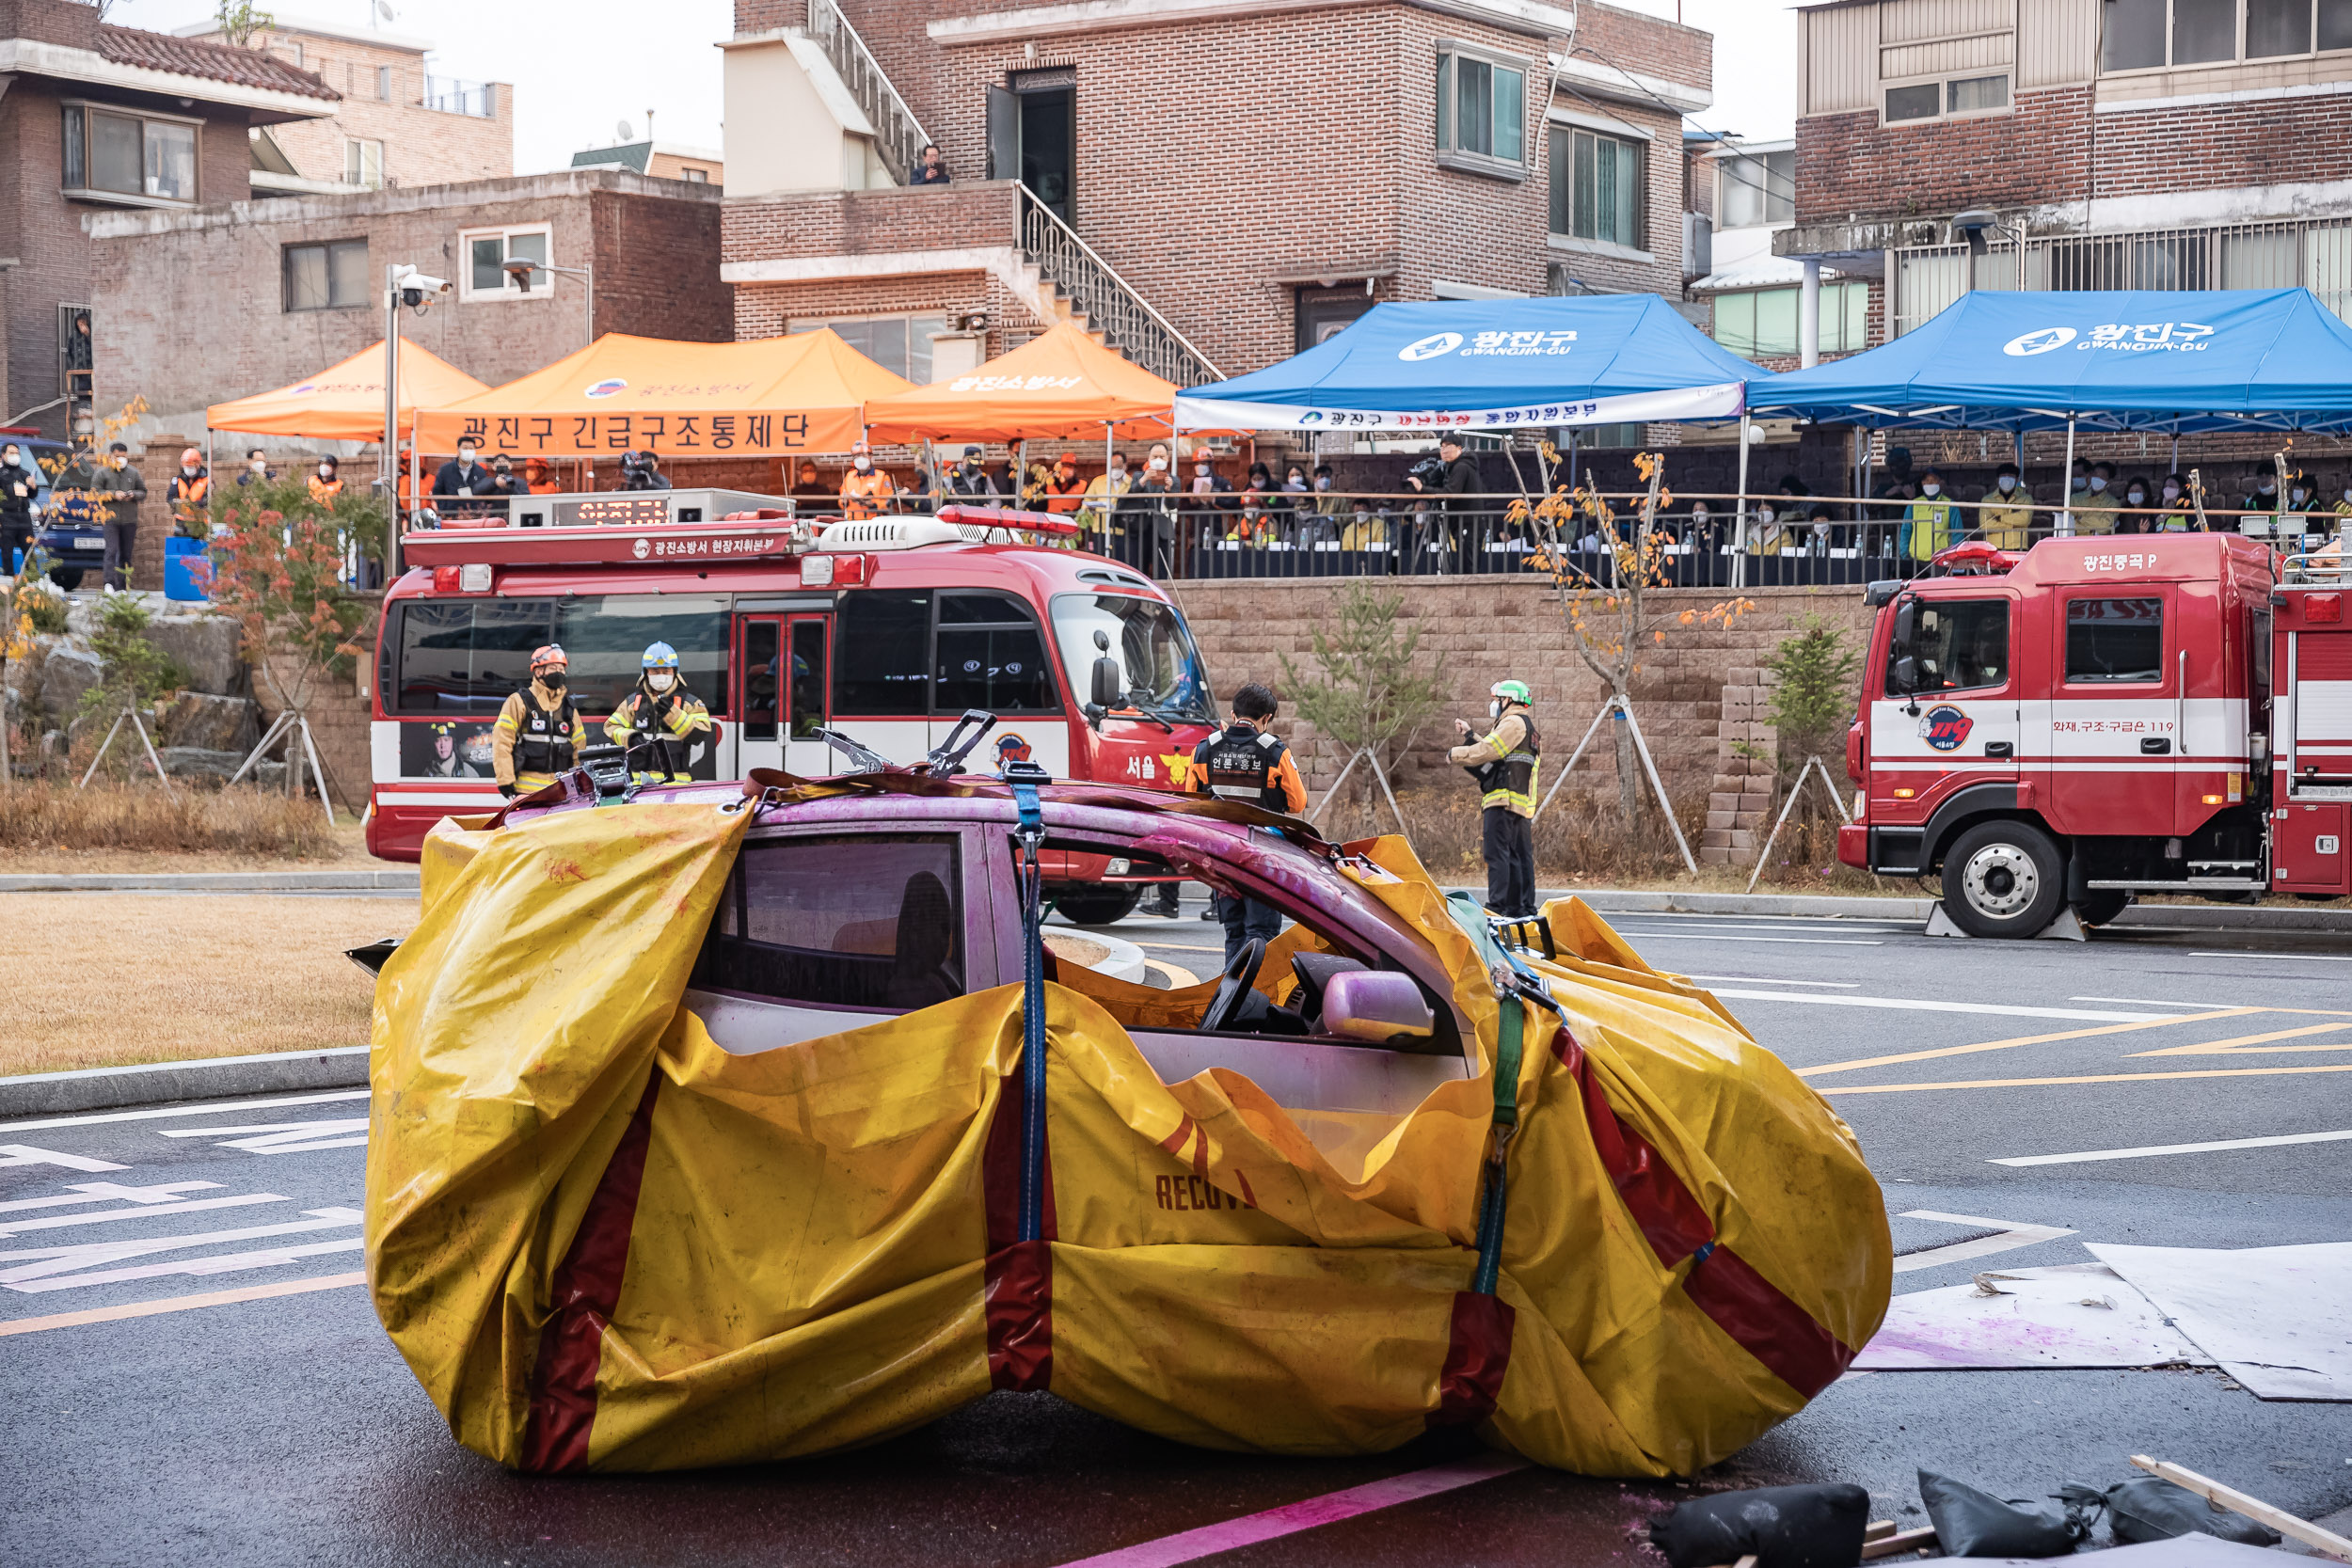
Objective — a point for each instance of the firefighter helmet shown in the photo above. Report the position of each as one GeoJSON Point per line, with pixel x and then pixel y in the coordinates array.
{"type": "Point", "coordinates": [660, 657]}
{"type": "Point", "coordinates": [549, 656]}
{"type": "Point", "coordinates": [1510, 691]}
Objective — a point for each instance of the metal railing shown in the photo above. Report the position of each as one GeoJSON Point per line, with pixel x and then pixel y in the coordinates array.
{"type": "Point", "coordinates": [1109, 305]}
{"type": "Point", "coordinates": [452, 97]}
{"type": "Point", "coordinates": [899, 136]}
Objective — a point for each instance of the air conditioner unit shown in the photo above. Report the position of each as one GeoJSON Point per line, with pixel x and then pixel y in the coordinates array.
{"type": "Point", "coordinates": [1698, 244]}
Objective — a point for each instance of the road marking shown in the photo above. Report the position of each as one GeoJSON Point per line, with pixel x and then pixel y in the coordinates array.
{"type": "Point", "coordinates": [1192, 1544]}
{"type": "Point", "coordinates": [1887, 928]}
{"type": "Point", "coordinates": [232, 1262]}
{"type": "Point", "coordinates": [46, 1263]}
{"type": "Point", "coordinates": [2012, 1235]}
{"type": "Point", "coordinates": [2153, 1002]}
{"type": "Point", "coordinates": [1768, 980]}
{"type": "Point", "coordinates": [180, 1303]}
{"type": "Point", "coordinates": [2022, 1040]}
{"type": "Point", "coordinates": [282, 1138]}
{"type": "Point", "coordinates": [1919, 1005]}
{"type": "Point", "coordinates": [2289, 957]}
{"type": "Point", "coordinates": [1806, 942]}
{"type": "Point", "coordinates": [2259, 1044]}
{"type": "Point", "coordinates": [1180, 947]}
{"type": "Point", "coordinates": [187, 1206]}
{"type": "Point", "coordinates": [99, 1191]}
{"type": "Point", "coordinates": [182, 1110]}
{"type": "Point", "coordinates": [1178, 979]}
{"type": "Point", "coordinates": [2173, 1149]}
{"type": "Point", "coordinates": [2095, 1078]}
{"type": "Point", "coordinates": [25, 1154]}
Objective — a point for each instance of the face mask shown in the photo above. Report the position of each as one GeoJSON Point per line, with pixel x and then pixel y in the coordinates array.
{"type": "Point", "coordinates": [2080, 483]}
{"type": "Point", "coordinates": [1323, 483]}
{"type": "Point", "coordinates": [1201, 470]}
{"type": "Point", "coordinates": [1931, 491]}
{"type": "Point", "coordinates": [971, 465]}
{"type": "Point", "coordinates": [257, 464]}
{"type": "Point", "coordinates": [1764, 515]}
{"type": "Point", "coordinates": [1158, 464]}
{"type": "Point", "coordinates": [2171, 492]}
{"type": "Point", "coordinates": [660, 680]}
{"type": "Point", "coordinates": [186, 468]}
{"type": "Point", "coordinates": [2008, 482]}
{"type": "Point", "coordinates": [2098, 484]}
{"type": "Point", "coordinates": [865, 465]}
{"type": "Point", "coordinates": [326, 473]}
{"type": "Point", "coordinates": [2270, 487]}
{"type": "Point", "coordinates": [465, 457]}
{"type": "Point", "coordinates": [1119, 472]}
{"type": "Point", "coordinates": [552, 679]}
{"type": "Point", "coordinates": [2298, 495]}
{"type": "Point", "coordinates": [2135, 498]}
{"type": "Point", "coordinates": [1494, 709]}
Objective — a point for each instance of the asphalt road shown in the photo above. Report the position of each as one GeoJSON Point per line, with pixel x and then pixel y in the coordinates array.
{"type": "Point", "coordinates": [285, 1428]}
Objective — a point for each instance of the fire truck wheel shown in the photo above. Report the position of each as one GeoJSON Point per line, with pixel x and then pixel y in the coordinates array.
{"type": "Point", "coordinates": [1100, 906]}
{"type": "Point", "coordinates": [2003, 880]}
{"type": "Point", "coordinates": [2103, 906]}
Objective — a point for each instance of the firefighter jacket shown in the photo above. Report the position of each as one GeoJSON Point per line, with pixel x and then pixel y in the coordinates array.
{"type": "Point", "coordinates": [1505, 762]}
{"type": "Point", "coordinates": [2008, 523]}
{"type": "Point", "coordinates": [187, 497]}
{"type": "Point", "coordinates": [1929, 526]}
{"type": "Point", "coordinates": [668, 721]}
{"type": "Point", "coordinates": [536, 736]}
{"type": "Point", "coordinates": [862, 495]}
{"type": "Point", "coordinates": [1244, 763]}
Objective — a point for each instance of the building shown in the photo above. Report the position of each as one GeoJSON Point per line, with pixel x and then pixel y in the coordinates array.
{"type": "Point", "coordinates": [1211, 186]}
{"type": "Point", "coordinates": [398, 123]}
{"type": "Point", "coordinates": [95, 119]}
{"type": "Point", "coordinates": [699, 165]}
{"type": "Point", "coordinates": [1753, 297]}
{"type": "Point", "coordinates": [2112, 144]}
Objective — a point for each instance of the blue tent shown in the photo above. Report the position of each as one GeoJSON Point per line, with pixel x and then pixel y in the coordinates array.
{"type": "Point", "coordinates": [2222, 359]}
{"type": "Point", "coordinates": [1488, 364]}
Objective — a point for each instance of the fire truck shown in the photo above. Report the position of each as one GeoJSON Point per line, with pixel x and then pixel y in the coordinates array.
{"type": "Point", "coordinates": [883, 631]}
{"type": "Point", "coordinates": [2101, 717]}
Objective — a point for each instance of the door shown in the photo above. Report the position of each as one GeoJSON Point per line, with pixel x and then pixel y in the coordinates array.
{"type": "Point", "coordinates": [1004, 134]}
{"type": "Point", "coordinates": [1958, 723]}
{"type": "Point", "coordinates": [808, 642]}
{"type": "Point", "coordinates": [761, 692]}
{"type": "Point", "coordinates": [2110, 741]}
{"type": "Point", "coordinates": [1049, 149]}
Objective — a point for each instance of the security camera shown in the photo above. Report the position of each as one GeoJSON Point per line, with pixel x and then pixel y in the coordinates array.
{"type": "Point", "coordinates": [417, 289]}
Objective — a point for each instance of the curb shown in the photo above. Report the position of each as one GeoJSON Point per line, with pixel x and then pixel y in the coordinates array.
{"type": "Point", "coordinates": [2173, 918]}
{"type": "Point", "coordinates": [105, 1089]}
{"type": "Point", "coordinates": [217, 881]}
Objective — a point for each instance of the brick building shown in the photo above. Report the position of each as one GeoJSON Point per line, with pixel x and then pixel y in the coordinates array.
{"type": "Point", "coordinates": [95, 118]}
{"type": "Point", "coordinates": [1212, 185]}
{"type": "Point", "coordinates": [398, 123]}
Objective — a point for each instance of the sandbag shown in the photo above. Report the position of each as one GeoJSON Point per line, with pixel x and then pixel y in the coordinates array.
{"type": "Point", "coordinates": [2148, 1507]}
{"type": "Point", "coordinates": [1969, 1523]}
{"type": "Point", "coordinates": [1782, 1527]}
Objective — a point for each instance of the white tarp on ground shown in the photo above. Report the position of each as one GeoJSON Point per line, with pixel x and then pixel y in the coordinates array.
{"type": "Point", "coordinates": [2074, 1315]}
{"type": "Point", "coordinates": [2277, 1319]}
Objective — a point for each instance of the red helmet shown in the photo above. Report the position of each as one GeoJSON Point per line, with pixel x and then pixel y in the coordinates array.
{"type": "Point", "coordinates": [549, 655]}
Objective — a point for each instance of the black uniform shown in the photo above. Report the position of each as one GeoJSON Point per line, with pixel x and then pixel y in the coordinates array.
{"type": "Point", "coordinates": [1241, 764]}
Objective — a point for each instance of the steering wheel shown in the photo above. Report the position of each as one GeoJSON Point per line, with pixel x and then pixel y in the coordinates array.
{"type": "Point", "coordinates": [1233, 989]}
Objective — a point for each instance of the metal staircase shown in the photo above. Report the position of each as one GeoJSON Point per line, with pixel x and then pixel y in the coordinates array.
{"type": "Point", "coordinates": [1101, 302]}
{"type": "Point", "coordinates": [899, 136]}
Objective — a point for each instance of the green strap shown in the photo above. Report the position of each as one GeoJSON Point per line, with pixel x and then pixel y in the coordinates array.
{"type": "Point", "coordinates": [1510, 1045]}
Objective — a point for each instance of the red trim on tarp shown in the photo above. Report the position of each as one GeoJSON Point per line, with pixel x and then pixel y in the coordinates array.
{"type": "Point", "coordinates": [1018, 1278]}
{"type": "Point", "coordinates": [1762, 1320]}
{"type": "Point", "coordinates": [1477, 1353]}
{"type": "Point", "coordinates": [581, 1300]}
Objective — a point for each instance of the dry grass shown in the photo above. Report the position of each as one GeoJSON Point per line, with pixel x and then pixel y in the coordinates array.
{"type": "Point", "coordinates": [42, 818]}
{"type": "Point", "coordinates": [105, 979]}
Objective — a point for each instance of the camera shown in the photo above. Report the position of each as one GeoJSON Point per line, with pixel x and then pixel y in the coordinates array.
{"type": "Point", "coordinates": [417, 289]}
{"type": "Point", "coordinates": [1428, 470]}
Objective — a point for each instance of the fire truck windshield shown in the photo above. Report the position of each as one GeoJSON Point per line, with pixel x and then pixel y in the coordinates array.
{"type": "Point", "coordinates": [1162, 668]}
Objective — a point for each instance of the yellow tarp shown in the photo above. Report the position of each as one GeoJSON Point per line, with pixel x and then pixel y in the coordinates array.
{"type": "Point", "coordinates": [603, 1242]}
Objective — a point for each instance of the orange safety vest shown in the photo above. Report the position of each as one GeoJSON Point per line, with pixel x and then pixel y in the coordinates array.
{"type": "Point", "coordinates": [324, 490]}
{"type": "Point", "coordinates": [863, 494]}
{"type": "Point", "coordinates": [1064, 499]}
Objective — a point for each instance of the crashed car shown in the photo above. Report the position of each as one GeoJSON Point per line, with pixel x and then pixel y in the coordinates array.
{"type": "Point", "coordinates": [737, 1122]}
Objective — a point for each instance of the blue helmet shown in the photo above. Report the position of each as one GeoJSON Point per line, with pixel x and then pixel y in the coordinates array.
{"type": "Point", "coordinates": [660, 657]}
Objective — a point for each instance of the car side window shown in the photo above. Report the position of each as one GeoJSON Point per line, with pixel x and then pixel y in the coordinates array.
{"type": "Point", "coordinates": [1960, 643]}
{"type": "Point", "coordinates": [865, 920]}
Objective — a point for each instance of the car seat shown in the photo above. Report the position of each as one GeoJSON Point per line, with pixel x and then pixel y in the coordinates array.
{"type": "Point", "coordinates": [920, 972]}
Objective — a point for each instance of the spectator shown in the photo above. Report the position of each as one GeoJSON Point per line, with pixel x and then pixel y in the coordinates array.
{"type": "Point", "coordinates": [463, 478]}
{"type": "Point", "coordinates": [2006, 519]}
{"type": "Point", "coordinates": [326, 484]}
{"type": "Point", "coordinates": [1065, 492]}
{"type": "Point", "coordinates": [2342, 509]}
{"type": "Point", "coordinates": [811, 487]}
{"type": "Point", "coordinates": [1326, 503]}
{"type": "Point", "coordinates": [1931, 524]}
{"type": "Point", "coordinates": [190, 495]}
{"type": "Point", "coordinates": [19, 484]}
{"type": "Point", "coordinates": [539, 477]}
{"type": "Point", "coordinates": [2095, 512]}
{"type": "Point", "coordinates": [1704, 537]}
{"type": "Point", "coordinates": [922, 492]}
{"type": "Point", "coordinates": [502, 480]}
{"type": "Point", "coordinates": [1253, 528]}
{"type": "Point", "coordinates": [1766, 536]}
{"type": "Point", "coordinates": [124, 489]}
{"type": "Point", "coordinates": [641, 470]}
{"type": "Point", "coordinates": [1206, 487]}
{"type": "Point", "coordinates": [969, 479]}
{"type": "Point", "coordinates": [1366, 529]}
{"type": "Point", "coordinates": [257, 469]}
{"type": "Point", "coordinates": [1147, 517]}
{"type": "Point", "coordinates": [2176, 514]}
{"type": "Point", "coordinates": [1103, 495]}
{"type": "Point", "coordinates": [2135, 519]}
{"type": "Point", "coordinates": [1456, 480]}
{"type": "Point", "coordinates": [1822, 525]}
{"type": "Point", "coordinates": [866, 490]}
{"type": "Point", "coordinates": [933, 170]}
{"type": "Point", "coordinates": [78, 358]}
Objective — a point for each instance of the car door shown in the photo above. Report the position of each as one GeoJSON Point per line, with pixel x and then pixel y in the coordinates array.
{"type": "Point", "coordinates": [834, 926]}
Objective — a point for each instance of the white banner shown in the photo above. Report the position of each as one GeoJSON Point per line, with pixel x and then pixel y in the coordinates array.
{"type": "Point", "coordinates": [1686, 402]}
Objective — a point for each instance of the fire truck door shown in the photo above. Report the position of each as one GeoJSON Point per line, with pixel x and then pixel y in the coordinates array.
{"type": "Point", "coordinates": [2107, 737]}
{"type": "Point", "coordinates": [807, 642]}
{"type": "Point", "coordinates": [761, 693]}
{"type": "Point", "coordinates": [783, 663]}
{"type": "Point", "coordinates": [1957, 726]}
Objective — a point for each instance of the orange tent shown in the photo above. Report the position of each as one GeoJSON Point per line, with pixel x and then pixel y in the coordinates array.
{"type": "Point", "coordinates": [791, 394]}
{"type": "Point", "coordinates": [345, 402]}
{"type": "Point", "coordinates": [1059, 386]}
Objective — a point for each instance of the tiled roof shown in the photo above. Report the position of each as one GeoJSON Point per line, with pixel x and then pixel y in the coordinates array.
{"type": "Point", "coordinates": [633, 155]}
{"type": "Point", "coordinates": [213, 62]}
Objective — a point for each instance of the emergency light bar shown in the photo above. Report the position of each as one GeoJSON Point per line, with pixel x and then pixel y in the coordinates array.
{"type": "Point", "coordinates": [987, 519]}
{"type": "Point", "coordinates": [605, 545]}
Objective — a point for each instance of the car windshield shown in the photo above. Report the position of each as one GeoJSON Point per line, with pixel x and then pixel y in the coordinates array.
{"type": "Point", "coordinates": [1151, 644]}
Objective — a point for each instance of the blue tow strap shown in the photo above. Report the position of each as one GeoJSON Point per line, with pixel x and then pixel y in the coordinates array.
{"type": "Point", "coordinates": [1029, 835]}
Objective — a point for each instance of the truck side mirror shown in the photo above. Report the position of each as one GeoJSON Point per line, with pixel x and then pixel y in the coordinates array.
{"type": "Point", "coordinates": [1906, 675]}
{"type": "Point", "coordinates": [1108, 687]}
{"type": "Point", "coordinates": [1902, 666]}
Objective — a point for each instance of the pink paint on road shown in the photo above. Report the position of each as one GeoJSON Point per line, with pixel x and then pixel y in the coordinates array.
{"type": "Point", "coordinates": [1330, 1509]}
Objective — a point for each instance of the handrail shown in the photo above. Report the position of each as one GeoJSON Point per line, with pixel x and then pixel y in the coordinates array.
{"type": "Point", "coordinates": [1110, 304]}
{"type": "Point", "coordinates": [899, 136]}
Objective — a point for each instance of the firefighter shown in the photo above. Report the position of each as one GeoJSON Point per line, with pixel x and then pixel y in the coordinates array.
{"type": "Point", "coordinates": [1505, 761]}
{"type": "Point", "coordinates": [1245, 763]}
{"type": "Point", "coordinates": [661, 716]}
{"type": "Point", "coordinates": [187, 493]}
{"type": "Point", "coordinates": [538, 733]}
{"type": "Point", "coordinates": [865, 489]}
{"type": "Point", "coordinates": [2007, 515]}
{"type": "Point", "coordinates": [1931, 524]}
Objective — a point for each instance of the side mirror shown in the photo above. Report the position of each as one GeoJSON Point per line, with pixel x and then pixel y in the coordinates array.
{"type": "Point", "coordinates": [1906, 675]}
{"type": "Point", "coordinates": [1378, 1007]}
{"type": "Point", "coordinates": [1110, 683]}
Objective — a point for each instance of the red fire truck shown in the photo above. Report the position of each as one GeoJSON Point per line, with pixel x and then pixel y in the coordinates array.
{"type": "Point", "coordinates": [2105, 716]}
{"type": "Point", "coordinates": [886, 631]}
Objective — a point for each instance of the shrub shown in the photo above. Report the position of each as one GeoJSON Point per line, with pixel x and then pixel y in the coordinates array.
{"type": "Point", "coordinates": [55, 815]}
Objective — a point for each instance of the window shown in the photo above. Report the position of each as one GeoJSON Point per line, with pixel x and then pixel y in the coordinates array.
{"type": "Point", "coordinates": [465, 655]}
{"type": "Point", "coordinates": [2147, 35]}
{"type": "Point", "coordinates": [2114, 640]}
{"type": "Point", "coordinates": [1482, 103]}
{"type": "Point", "coordinates": [363, 164]}
{"type": "Point", "coordinates": [1155, 652]}
{"type": "Point", "coordinates": [1596, 187]}
{"type": "Point", "coordinates": [1974, 94]}
{"type": "Point", "coordinates": [1960, 644]}
{"type": "Point", "coordinates": [694, 176]}
{"type": "Point", "coordinates": [1921, 102]}
{"type": "Point", "coordinates": [883, 670]}
{"type": "Point", "coordinates": [384, 84]}
{"type": "Point", "coordinates": [988, 653]}
{"type": "Point", "coordinates": [326, 277]}
{"type": "Point", "coordinates": [1762, 323]}
{"type": "Point", "coordinates": [870, 921]}
{"type": "Point", "coordinates": [127, 155]}
{"type": "Point", "coordinates": [488, 250]}
{"type": "Point", "coordinates": [899, 343]}
{"type": "Point", "coordinates": [1758, 189]}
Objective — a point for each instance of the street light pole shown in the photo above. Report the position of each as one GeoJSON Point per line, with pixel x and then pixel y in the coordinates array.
{"type": "Point", "coordinates": [387, 463]}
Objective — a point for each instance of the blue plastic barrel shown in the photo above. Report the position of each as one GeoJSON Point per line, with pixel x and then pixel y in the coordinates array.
{"type": "Point", "coordinates": [180, 557]}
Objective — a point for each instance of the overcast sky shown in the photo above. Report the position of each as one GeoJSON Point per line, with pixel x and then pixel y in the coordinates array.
{"type": "Point", "coordinates": [582, 66]}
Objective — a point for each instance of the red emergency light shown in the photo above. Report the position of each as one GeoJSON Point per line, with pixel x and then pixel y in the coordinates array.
{"type": "Point", "coordinates": [2323, 610]}
{"type": "Point", "coordinates": [1005, 517]}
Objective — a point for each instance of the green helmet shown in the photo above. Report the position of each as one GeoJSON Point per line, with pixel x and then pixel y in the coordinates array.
{"type": "Point", "coordinates": [1511, 691]}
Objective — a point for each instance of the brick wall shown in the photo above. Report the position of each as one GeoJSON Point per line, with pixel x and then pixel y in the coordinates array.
{"type": "Point", "coordinates": [422, 146]}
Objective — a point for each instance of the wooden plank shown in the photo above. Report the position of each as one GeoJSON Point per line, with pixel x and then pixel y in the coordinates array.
{"type": "Point", "coordinates": [1900, 1542]}
{"type": "Point", "coordinates": [2325, 1542]}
